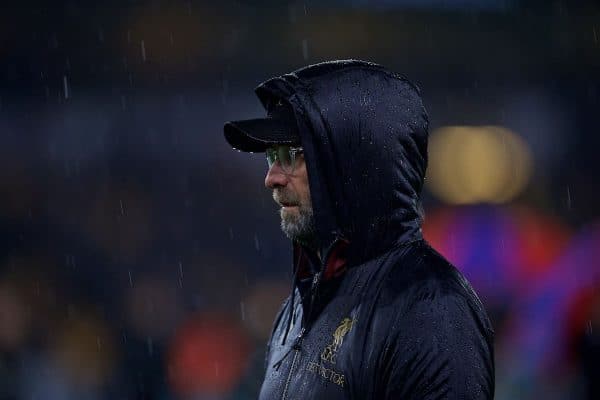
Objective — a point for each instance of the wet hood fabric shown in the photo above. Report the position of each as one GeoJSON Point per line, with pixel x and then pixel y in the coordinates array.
{"type": "Point", "coordinates": [364, 133]}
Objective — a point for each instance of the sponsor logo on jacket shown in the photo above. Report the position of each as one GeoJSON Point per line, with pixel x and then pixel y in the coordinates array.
{"type": "Point", "coordinates": [329, 355]}
{"type": "Point", "coordinates": [330, 351]}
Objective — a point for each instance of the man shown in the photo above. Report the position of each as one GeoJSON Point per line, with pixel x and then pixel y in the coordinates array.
{"type": "Point", "coordinates": [375, 312]}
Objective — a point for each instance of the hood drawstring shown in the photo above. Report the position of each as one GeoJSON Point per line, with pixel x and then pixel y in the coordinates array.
{"type": "Point", "coordinates": [290, 315]}
{"type": "Point", "coordinates": [292, 301]}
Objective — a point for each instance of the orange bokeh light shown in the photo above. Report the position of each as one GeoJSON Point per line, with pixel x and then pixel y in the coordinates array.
{"type": "Point", "coordinates": [208, 355]}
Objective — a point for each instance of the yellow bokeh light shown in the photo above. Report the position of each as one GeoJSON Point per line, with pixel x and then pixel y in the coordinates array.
{"type": "Point", "coordinates": [477, 164]}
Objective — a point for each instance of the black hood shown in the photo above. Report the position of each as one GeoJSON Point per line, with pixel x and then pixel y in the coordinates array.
{"type": "Point", "coordinates": [364, 132]}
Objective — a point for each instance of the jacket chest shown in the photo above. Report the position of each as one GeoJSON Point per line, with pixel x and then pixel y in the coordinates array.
{"type": "Point", "coordinates": [322, 364]}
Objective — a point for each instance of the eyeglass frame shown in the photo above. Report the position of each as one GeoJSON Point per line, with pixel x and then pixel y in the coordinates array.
{"type": "Point", "coordinates": [292, 151]}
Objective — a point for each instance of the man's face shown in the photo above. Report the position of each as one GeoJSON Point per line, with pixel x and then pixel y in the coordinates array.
{"type": "Point", "coordinates": [291, 192]}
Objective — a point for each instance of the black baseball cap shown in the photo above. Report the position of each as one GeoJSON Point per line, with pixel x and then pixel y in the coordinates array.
{"type": "Point", "coordinates": [256, 135]}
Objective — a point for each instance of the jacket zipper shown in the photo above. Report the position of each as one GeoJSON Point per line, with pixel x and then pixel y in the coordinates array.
{"type": "Point", "coordinates": [289, 378]}
{"type": "Point", "coordinates": [296, 347]}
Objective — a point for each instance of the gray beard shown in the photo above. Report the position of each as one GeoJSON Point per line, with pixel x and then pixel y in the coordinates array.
{"type": "Point", "coordinates": [300, 228]}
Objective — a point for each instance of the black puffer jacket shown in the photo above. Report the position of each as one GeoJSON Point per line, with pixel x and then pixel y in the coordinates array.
{"type": "Point", "coordinates": [381, 315]}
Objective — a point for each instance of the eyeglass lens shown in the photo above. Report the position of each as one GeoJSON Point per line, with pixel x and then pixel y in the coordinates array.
{"type": "Point", "coordinates": [284, 154]}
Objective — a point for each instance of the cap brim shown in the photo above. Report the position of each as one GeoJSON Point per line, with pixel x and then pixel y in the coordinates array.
{"type": "Point", "coordinates": [256, 135]}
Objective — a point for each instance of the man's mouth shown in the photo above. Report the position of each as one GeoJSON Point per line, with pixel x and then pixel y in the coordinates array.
{"type": "Point", "coordinates": [283, 202]}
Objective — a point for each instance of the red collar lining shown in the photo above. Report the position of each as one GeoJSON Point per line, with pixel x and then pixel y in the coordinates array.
{"type": "Point", "coordinates": [335, 265]}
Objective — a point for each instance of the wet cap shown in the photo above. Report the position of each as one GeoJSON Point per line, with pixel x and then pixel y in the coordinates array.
{"type": "Point", "coordinates": [256, 135]}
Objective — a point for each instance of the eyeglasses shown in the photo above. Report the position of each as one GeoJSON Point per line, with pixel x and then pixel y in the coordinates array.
{"type": "Point", "coordinates": [286, 155]}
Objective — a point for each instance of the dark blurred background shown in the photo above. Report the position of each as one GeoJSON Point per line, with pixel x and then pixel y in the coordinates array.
{"type": "Point", "coordinates": [141, 258]}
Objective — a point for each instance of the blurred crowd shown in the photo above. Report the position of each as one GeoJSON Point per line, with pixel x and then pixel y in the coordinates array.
{"type": "Point", "coordinates": [141, 258]}
{"type": "Point", "coordinates": [131, 274]}
{"type": "Point", "coordinates": [122, 278]}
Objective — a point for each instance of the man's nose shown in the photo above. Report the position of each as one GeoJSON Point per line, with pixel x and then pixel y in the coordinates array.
{"type": "Point", "coordinates": [275, 176]}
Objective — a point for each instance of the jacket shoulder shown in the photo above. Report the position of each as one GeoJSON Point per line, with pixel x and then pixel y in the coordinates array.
{"type": "Point", "coordinates": [439, 340]}
{"type": "Point", "coordinates": [421, 275]}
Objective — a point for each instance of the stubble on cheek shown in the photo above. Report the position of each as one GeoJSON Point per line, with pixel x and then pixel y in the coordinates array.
{"type": "Point", "coordinates": [296, 222]}
{"type": "Point", "coordinates": [289, 215]}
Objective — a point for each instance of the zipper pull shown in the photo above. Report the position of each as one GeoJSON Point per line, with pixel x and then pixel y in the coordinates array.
{"type": "Point", "coordinates": [315, 282]}
{"type": "Point", "coordinates": [295, 346]}
{"type": "Point", "coordinates": [315, 278]}
{"type": "Point", "coordinates": [298, 341]}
